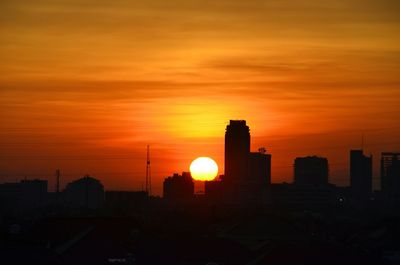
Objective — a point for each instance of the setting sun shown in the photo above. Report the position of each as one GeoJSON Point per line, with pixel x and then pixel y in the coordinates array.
{"type": "Point", "coordinates": [203, 169]}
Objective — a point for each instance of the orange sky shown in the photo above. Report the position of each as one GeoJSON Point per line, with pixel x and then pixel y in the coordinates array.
{"type": "Point", "coordinates": [85, 85]}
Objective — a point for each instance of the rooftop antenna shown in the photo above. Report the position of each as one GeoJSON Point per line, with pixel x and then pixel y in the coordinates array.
{"type": "Point", "coordinates": [148, 173]}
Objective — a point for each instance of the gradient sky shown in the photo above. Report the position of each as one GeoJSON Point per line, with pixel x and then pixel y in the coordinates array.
{"type": "Point", "coordinates": [85, 85]}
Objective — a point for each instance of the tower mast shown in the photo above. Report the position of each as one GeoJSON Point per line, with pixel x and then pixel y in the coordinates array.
{"type": "Point", "coordinates": [148, 172]}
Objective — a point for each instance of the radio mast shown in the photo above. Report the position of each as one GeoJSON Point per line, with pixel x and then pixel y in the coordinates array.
{"type": "Point", "coordinates": [148, 172]}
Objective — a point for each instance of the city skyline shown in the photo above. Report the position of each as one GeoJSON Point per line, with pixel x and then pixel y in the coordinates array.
{"type": "Point", "coordinates": [86, 85]}
{"type": "Point", "coordinates": [224, 132]}
{"type": "Point", "coordinates": [339, 172]}
{"type": "Point", "coordinates": [238, 139]}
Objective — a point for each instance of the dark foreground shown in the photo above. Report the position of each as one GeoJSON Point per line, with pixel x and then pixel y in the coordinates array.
{"type": "Point", "coordinates": [203, 235]}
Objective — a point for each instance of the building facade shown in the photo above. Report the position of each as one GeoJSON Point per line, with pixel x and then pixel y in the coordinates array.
{"type": "Point", "coordinates": [247, 175]}
{"type": "Point", "coordinates": [237, 149]}
{"type": "Point", "coordinates": [360, 175]}
{"type": "Point", "coordinates": [390, 178]}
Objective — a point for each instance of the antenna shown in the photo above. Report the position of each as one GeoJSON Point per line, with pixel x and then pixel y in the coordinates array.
{"type": "Point", "coordinates": [57, 180]}
{"type": "Point", "coordinates": [148, 173]}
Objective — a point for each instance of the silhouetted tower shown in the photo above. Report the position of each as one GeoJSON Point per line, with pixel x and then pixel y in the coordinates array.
{"type": "Point", "coordinates": [237, 149]}
{"type": "Point", "coordinates": [148, 172]}
{"type": "Point", "coordinates": [360, 174]}
{"type": "Point", "coordinates": [390, 177]}
{"type": "Point", "coordinates": [57, 181]}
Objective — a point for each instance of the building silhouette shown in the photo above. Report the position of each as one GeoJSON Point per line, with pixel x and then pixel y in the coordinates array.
{"type": "Point", "coordinates": [390, 178]}
{"type": "Point", "coordinates": [310, 189]}
{"type": "Point", "coordinates": [86, 192]}
{"type": "Point", "coordinates": [360, 175]}
{"type": "Point", "coordinates": [26, 195]}
{"type": "Point", "coordinates": [213, 189]}
{"type": "Point", "coordinates": [311, 170]}
{"type": "Point", "coordinates": [178, 188]}
{"type": "Point", "coordinates": [247, 175]}
{"type": "Point", "coordinates": [259, 167]}
{"type": "Point", "coordinates": [237, 149]}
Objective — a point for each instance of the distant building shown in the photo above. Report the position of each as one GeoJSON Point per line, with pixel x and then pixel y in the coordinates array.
{"type": "Point", "coordinates": [259, 168]}
{"type": "Point", "coordinates": [360, 175]}
{"type": "Point", "coordinates": [178, 188]}
{"type": "Point", "coordinates": [86, 192]}
{"type": "Point", "coordinates": [311, 170]}
{"type": "Point", "coordinates": [390, 178]}
{"type": "Point", "coordinates": [25, 195]}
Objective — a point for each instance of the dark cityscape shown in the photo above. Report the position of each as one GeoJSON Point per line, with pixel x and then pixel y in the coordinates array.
{"type": "Point", "coordinates": [200, 132]}
{"type": "Point", "coordinates": [240, 218]}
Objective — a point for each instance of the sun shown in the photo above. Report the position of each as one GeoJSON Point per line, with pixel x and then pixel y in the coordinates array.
{"type": "Point", "coordinates": [204, 169]}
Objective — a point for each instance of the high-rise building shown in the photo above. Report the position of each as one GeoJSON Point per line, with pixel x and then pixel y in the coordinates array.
{"type": "Point", "coordinates": [360, 174]}
{"type": "Point", "coordinates": [237, 149]}
{"type": "Point", "coordinates": [390, 177]}
{"type": "Point", "coordinates": [247, 175]}
{"type": "Point", "coordinates": [259, 168]}
{"type": "Point", "coordinates": [311, 170]}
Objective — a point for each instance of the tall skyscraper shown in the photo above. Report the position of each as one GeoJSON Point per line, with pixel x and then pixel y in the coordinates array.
{"type": "Point", "coordinates": [247, 175]}
{"type": "Point", "coordinates": [360, 174]}
{"type": "Point", "coordinates": [390, 178]}
{"type": "Point", "coordinates": [237, 149]}
{"type": "Point", "coordinates": [311, 170]}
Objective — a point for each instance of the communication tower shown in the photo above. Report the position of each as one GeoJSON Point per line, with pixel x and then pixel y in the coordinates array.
{"type": "Point", "coordinates": [148, 172]}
